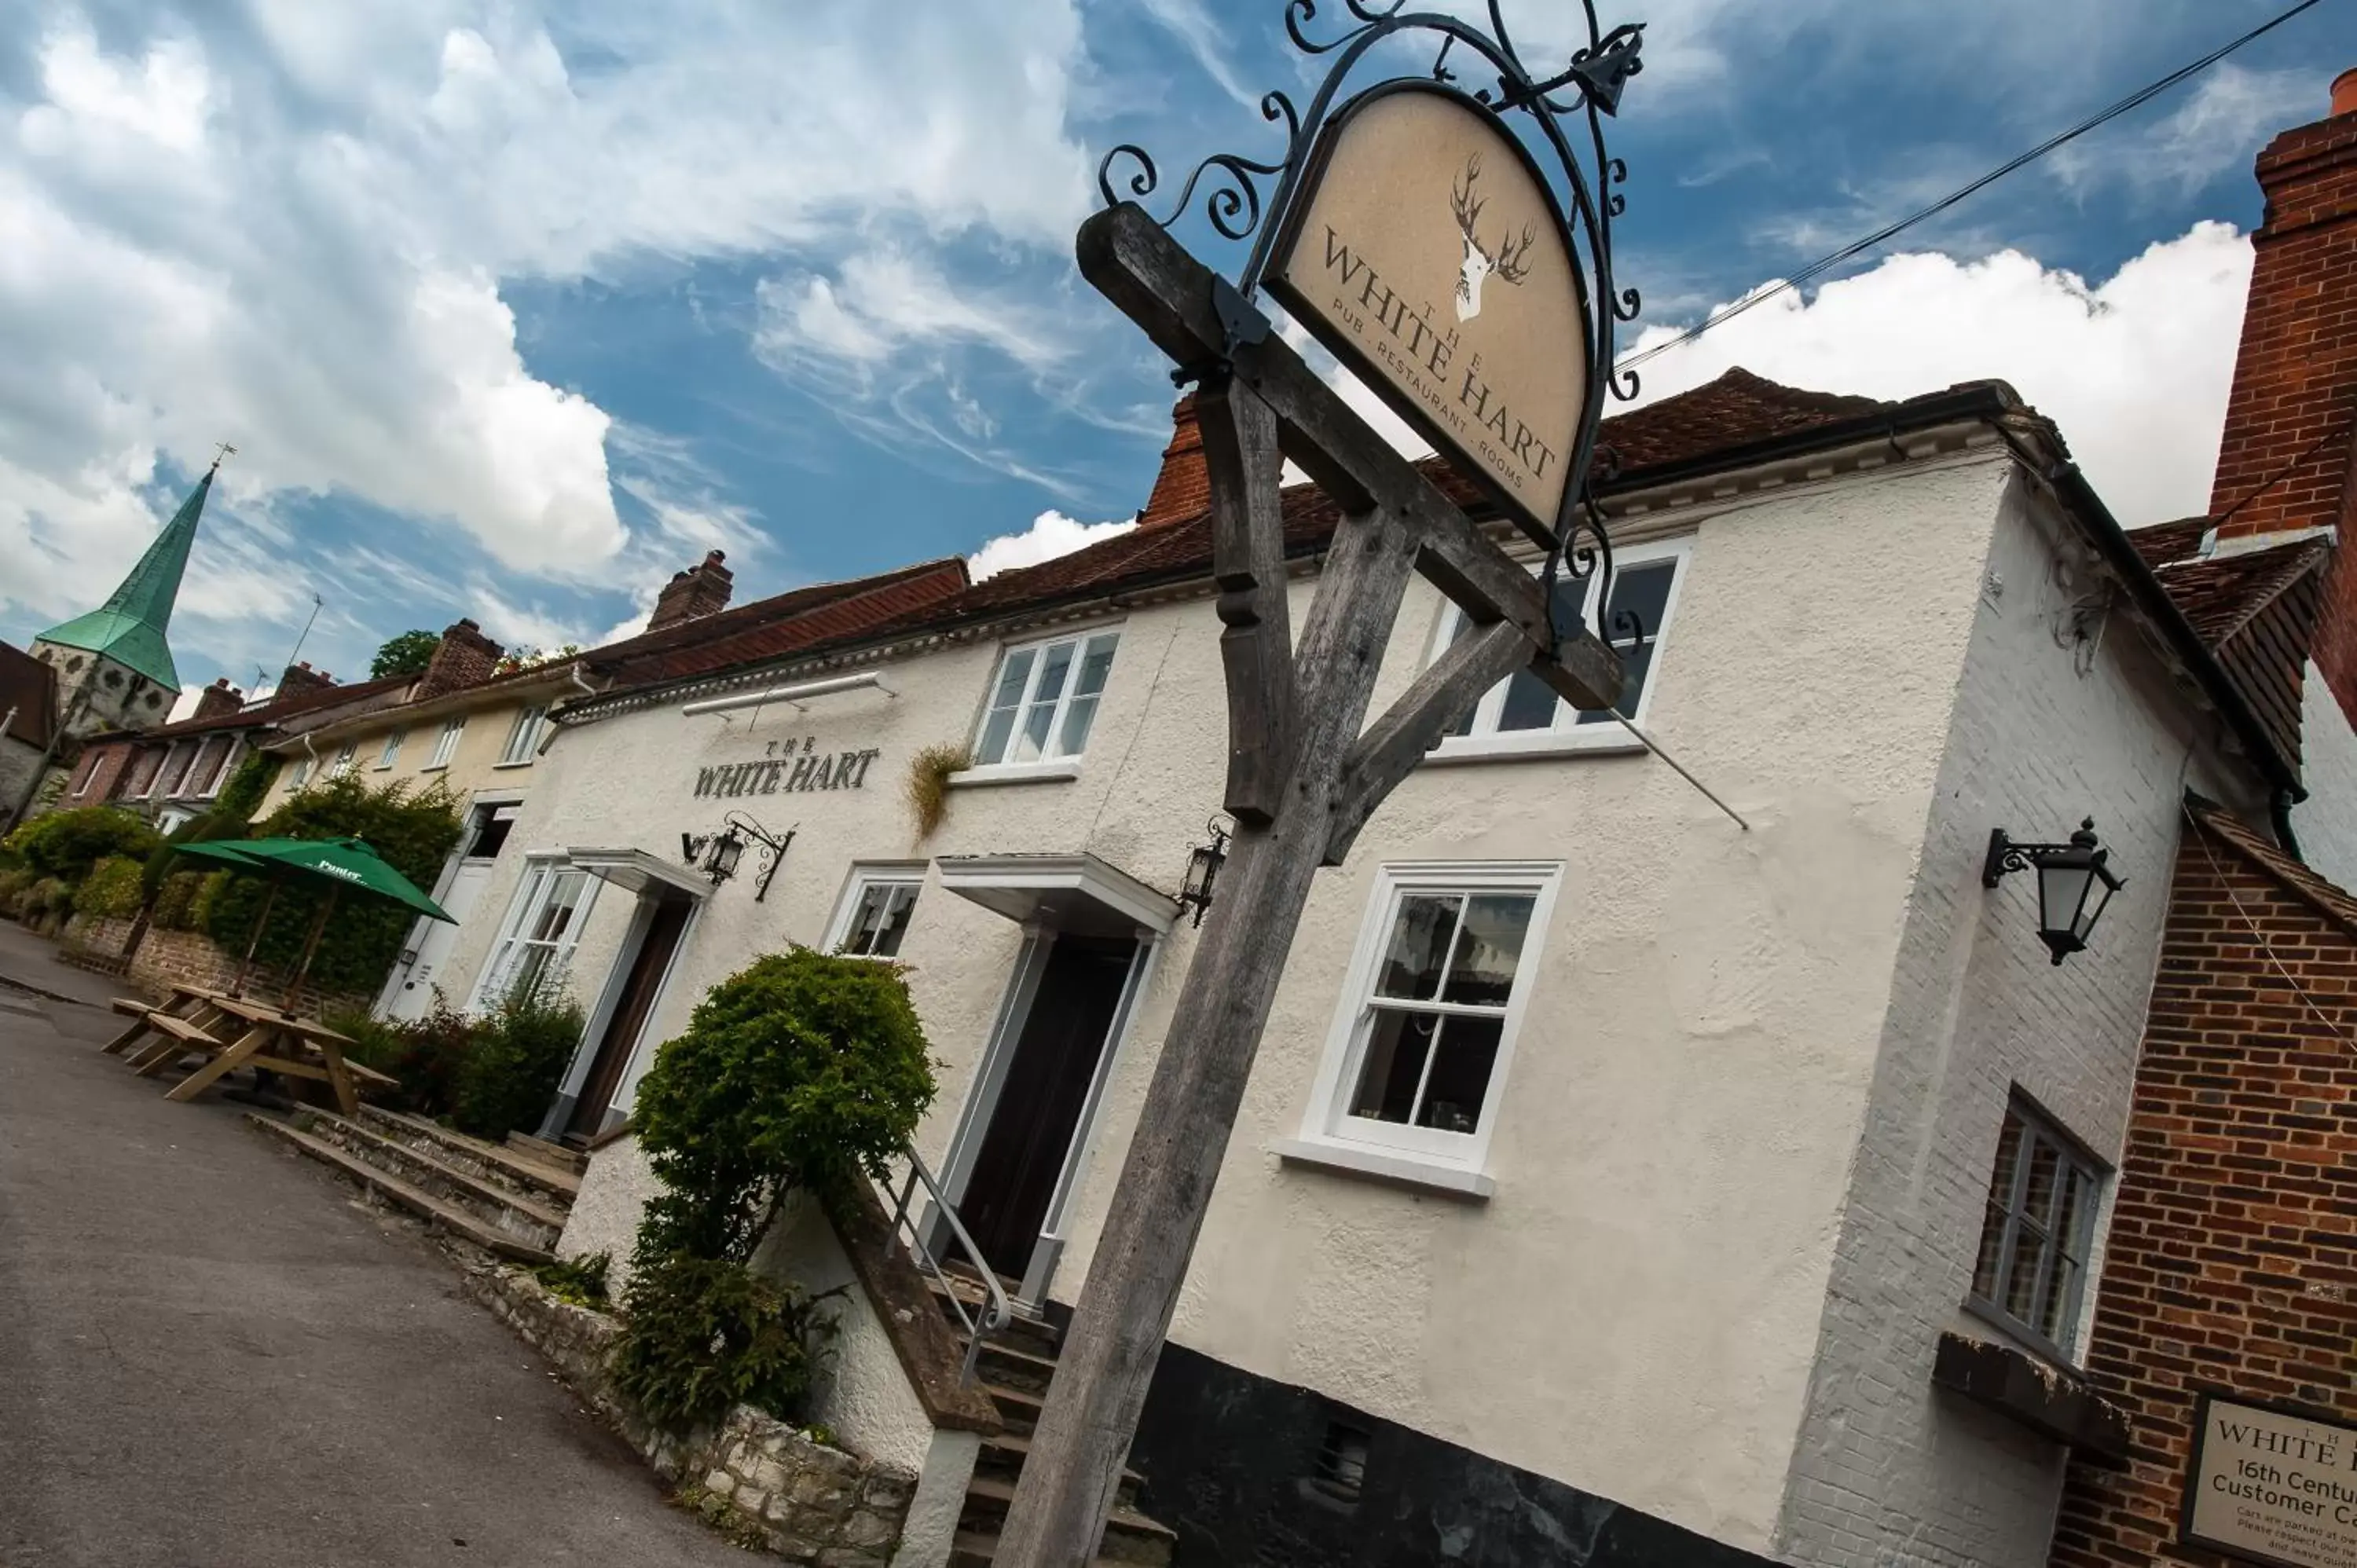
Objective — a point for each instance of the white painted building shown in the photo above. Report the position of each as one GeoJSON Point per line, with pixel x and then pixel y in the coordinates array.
{"type": "Point", "coordinates": [1650, 1261]}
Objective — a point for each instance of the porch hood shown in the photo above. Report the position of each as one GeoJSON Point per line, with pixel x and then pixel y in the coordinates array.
{"type": "Point", "coordinates": [1075, 893]}
{"type": "Point", "coordinates": [636, 871]}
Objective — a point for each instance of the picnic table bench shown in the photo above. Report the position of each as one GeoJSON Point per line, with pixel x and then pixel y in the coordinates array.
{"type": "Point", "coordinates": [234, 1032]}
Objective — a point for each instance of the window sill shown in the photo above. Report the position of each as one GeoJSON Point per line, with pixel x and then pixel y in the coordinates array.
{"type": "Point", "coordinates": [435, 768]}
{"type": "Point", "coordinates": [527, 762]}
{"type": "Point", "coordinates": [1393, 1165]}
{"type": "Point", "coordinates": [1535, 747]}
{"type": "Point", "coordinates": [1063, 768]}
{"type": "Point", "coordinates": [2053, 1401]}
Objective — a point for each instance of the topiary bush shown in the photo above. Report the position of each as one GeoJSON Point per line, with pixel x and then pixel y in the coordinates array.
{"type": "Point", "coordinates": [515, 1063]}
{"type": "Point", "coordinates": [413, 829]}
{"type": "Point", "coordinates": [805, 1069]}
{"type": "Point", "coordinates": [111, 891]}
{"type": "Point", "coordinates": [704, 1334]}
{"type": "Point", "coordinates": [66, 845]}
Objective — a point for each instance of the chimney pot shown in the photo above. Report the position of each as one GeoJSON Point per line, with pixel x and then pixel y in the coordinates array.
{"type": "Point", "coordinates": [2344, 92]}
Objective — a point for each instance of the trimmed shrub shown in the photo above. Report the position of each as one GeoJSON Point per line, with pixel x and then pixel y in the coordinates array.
{"type": "Point", "coordinates": [47, 906]}
{"type": "Point", "coordinates": [704, 1334]}
{"type": "Point", "coordinates": [66, 845]}
{"type": "Point", "coordinates": [175, 901]}
{"type": "Point", "coordinates": [14, 885]}
{"type": "Point", "coordinates": [424, 1056]}
{"type": "Point", "coordinates": [514, 1064]}
{"type": "Point", "coordinates": [111, 891]}
{"type": "Point", "coordinates": [804, 1070]}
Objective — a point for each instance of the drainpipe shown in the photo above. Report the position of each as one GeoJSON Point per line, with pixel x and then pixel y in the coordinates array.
{"type": "Point", "coordinates": [2279, 810]}
{"type": "Point", "coordinates": [313, 772]}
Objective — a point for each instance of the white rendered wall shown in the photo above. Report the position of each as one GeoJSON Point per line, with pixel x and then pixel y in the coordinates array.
{"type": "Point", "coordinates": [1637, 1310]}
{"type": "Point", "coordinates": [2326, 823]}
{"type": "Point", "coordinates": [1977, 1007]}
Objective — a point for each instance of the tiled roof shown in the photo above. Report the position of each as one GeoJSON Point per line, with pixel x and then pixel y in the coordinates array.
{"type": "Point", "coordinates": [2163, 542]}
{"type": "Point", "coordinates": [772, 629]}
{"type": "Point", "coordinates": [2329, 898]}
{"type": "Point", "coordinates": [31, 688]}
{"type": "Point", "coordinates": [274, 712]}
{"type": "Point", "coordinates": [1736, 411]}
{"type": "Point", "coordinates": [2220, 596]}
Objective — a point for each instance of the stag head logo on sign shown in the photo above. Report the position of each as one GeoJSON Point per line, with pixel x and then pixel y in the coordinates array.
{"type": "Point", "coordinates": [1427, 254]}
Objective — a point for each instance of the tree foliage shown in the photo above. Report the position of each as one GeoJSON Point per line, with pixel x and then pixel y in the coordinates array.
{"type": "Point", "coordinates": [406, 654]}
{"type": "Point", "coordinates": [66, 845]}
{"type": "Point", "coordinates": [111, 891]}
{"type": "Point", "coordinates": [705, 1335]}
{"type": "Point", "coordinates": [414, 830]}
{"type": "Point", "coordinates": [805, 1069]}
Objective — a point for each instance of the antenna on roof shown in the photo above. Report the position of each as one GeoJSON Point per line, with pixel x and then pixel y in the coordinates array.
{"type": "Point", "coordinates": [307, 632]}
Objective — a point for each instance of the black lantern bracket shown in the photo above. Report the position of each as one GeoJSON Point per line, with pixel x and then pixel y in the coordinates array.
{"type": "Point", "coordinates": [1203, 862]}
{"type": "Point", "coordinates": [718, 854]}
{"type": "Point", "coordinates": [1562, 112]}
{"type": "Point", "coordinates": [2075, 881]}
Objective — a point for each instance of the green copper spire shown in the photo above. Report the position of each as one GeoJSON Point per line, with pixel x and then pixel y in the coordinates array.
{"type": "Point", "coordinates": [129, 628]}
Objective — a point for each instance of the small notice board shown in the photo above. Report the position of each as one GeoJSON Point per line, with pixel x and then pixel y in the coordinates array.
{"type": "Point", "coordinates": [2271, 1483]}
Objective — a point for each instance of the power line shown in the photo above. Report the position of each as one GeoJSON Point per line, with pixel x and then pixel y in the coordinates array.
{"type": "Point", "coordinates": [1819, 268]}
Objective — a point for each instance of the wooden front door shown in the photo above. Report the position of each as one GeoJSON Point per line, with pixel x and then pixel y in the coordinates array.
{"type": "Point", "coordinates": [639, 988]}
{"type": "Point", "coordinates": [1038, 1106]}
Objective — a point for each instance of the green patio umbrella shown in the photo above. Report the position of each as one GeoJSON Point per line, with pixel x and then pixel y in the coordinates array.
{"type": "Point", "coordinates": [342, 864]}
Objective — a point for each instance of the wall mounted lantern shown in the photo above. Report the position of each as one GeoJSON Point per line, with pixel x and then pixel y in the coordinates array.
{"type": "Point", "coordinates": [1203, 862]}
{"type": "Point", "coordinates": [718, 854]}
{"type": "Point", "coordinates": [2073, 883]}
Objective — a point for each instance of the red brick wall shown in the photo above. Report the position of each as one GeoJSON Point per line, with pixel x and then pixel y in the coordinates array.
{"type": "Point", "coordinates": [701, 590]}
{"type": "Point", "coordinates": [2231, 1260]}
{"type": "Point", "coordinates": [1182, 491]}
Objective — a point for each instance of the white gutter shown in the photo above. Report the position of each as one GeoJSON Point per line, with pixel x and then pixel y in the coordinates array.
{"type": "Point", "coordinates": [792, 696]}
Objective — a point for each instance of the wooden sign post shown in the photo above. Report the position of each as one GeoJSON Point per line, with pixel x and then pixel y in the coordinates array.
{"type": "Point", "coordinates": [1304, 768]}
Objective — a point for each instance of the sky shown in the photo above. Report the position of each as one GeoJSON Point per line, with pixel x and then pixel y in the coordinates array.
{"type": "Point", "coordinates": [514, 307]}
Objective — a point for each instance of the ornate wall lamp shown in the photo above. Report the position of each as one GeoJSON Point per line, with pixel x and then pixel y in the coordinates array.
{"type": "Point", "coordinates": [718, 854]}
{"type": "Point", "coordinates": [2073, 883]}
{"type": "Point", "coordinates": [1203, 862]}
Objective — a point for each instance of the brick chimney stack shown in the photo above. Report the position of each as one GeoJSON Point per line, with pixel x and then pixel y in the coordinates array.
{"type": "Point", "coordinates": [701, 590]}
{"type": "Point", "coordinates": [217, 699]}
{"type": "Point", "coordinates": [301, 678]}
{"type": "Point", "coordinates": [2287, 461]}
{"type": "Point", "coordinates": [463, 657]}
{"type": "Point", "coordinates": [1183, 489]}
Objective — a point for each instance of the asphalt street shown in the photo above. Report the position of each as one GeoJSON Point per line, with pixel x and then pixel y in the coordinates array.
{"type": "Point", "coordinates": [213, 1357]}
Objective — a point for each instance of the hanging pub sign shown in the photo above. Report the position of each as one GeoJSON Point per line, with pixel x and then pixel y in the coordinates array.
{"type": "Point", "coordinates": [1426, 250]}
{"type": "Point", "coordinates": [2271, 1485]}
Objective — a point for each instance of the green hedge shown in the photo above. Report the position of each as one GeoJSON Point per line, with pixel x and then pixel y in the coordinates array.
{"type": "Point", "coordinates": [111, 891]}
{"type": "Point", "coordinates": [415, 830]}
{"type": "Point", "coordinates": [66, 845]}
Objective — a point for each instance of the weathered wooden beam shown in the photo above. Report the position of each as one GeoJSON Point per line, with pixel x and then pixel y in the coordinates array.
{"type": "Point", "coordinates": [1134, 264]}
{"type": "Point", "coordinates": [1248, 564]}
{"type": "Point", "coordinates": [1392, 746]}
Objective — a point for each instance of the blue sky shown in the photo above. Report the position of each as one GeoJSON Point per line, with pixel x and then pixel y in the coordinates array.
{"type": "Point", "coordinates": [515, 307]}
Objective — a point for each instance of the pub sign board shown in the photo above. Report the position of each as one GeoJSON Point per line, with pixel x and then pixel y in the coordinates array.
{"type": "Point", "coordinates": [1427, 253]}
{"type": "Point", "coordinates": [2273, 1485]}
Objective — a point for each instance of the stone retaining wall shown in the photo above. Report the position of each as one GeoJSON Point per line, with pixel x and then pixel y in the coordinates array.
{"type": "Point", "coordinates": [759, 1476]}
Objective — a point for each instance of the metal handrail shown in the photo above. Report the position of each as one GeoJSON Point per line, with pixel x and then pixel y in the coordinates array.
{"type": "Point", "coordinates": [997, 1312]}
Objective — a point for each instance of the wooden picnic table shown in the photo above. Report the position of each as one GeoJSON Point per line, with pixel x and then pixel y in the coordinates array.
{"type": "Point", "coordinates": [234, 1032]}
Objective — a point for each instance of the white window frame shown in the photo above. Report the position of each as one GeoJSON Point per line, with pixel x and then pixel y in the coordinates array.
{"type": "Point", "coordinates": [392, 752]}
{"type": "Point", "coordinates": [221, 770]}
{"type": "Point", "coordinates": [864, 876]}
{"type": "Point", "coordinates": [1565, 733]}
{"type": "Point", "coordinates": [347, 758]}
{"type": "Point", "coordinates": [301, 776]}
{"type": "Point", "coordinates": [1330, 1134]}
{"type": "Point", "coordinates": [1062, 764]}
{"type": "Point", "coordinates": [445, 744]}
{"type": "Point", "coordinates": [523, 905]}
{"type": "Point", "coordinates": [524, 736]}
{"type": "Point", "coordinates": [167, 784]}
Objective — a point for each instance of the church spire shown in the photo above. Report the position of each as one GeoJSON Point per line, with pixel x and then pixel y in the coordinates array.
{"type": "Point", "coordinates": [129, 628]}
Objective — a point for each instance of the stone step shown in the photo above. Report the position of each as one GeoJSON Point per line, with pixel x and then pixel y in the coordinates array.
{"type": "Point", "coordinates": [1018, 1408]}
{"type": "Point", "coordinates": [1033, 1334]}
{"type": "Point", "coordinates": [1129, 1536]}
{"type": "Point", "coordinates": [531, 1221]}
{"type": "Point", "coordinates": [1002, 1458]}
{"type": "Point", "coordinates": [520, 1174]}
{"type": "Point", "coordinates": [1009, 1365]}
{"type": "Point", "coordinates": [973, 1550]}
{"type": "Point", "coordinates": [457, 1221]}
{"type": "Point", "coordinates": [572, 1161]}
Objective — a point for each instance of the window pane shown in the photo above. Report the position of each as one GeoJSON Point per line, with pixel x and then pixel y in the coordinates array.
{"type": "Point", "coordinates": [2054, 1316]}
{"type": "Point", "coordinates": [1489, 949]}
{"type": "Point", "coordinates": [1397, 1044]}
{"type": "Point", "coordinates": [2021, 1275]}
{"type": "Point", "coordinates": [1006, 701]}
{"type": "Point", "coordinates": [1640, 597]}
{"type": "Point", "coordinates": [882, 917]}
{"type": "Point", "coordinates": [1031, 743]}
{"type": "Point", "coordinates": [1984, 1266]}
{"type": "Point", "coordinates": [2008, 1154]}
{"type": "Point", "coordinates": [1073, 740]}
{"type": "Point", "coordinates": [1529, 703]}
{"type": "Point", "coordinates": [1011, 677]}
{"type": "Point", "coordinates": [1096, 664]}
{"type": "Point", "coordinates": [900, 902]}
{"type": "Point", "coordinates": [2078, 1208]}
{"type": "Point", "coordinates": [2038, 1193]}
{"type": "Point", "coordinates": [1460, 1074]}
{"type": "Point", "coordinates": [531, 962]}
{"type": "Point", "coordinates": [994, 731]}
{"type": "Point", "coordinates": [1420, 937]}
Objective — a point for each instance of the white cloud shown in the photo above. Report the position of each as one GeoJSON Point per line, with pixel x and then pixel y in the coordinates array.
{"type": "Point", "coordinates": [2135, 369]}
{"type": "Point", "coordinates": [883, 303]}
{"type": "Point", "coordinates": [1051, 534]}
{"type": "Point", "coordinates": [2214, 131]}
{"type": "Point", "coordinates": [1192, 25]}
{"type": "Point", "coordinates": [292, 231]}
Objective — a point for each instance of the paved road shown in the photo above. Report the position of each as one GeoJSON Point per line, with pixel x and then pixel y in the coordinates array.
{"type": "Point", "coordinates": [211, 1358]}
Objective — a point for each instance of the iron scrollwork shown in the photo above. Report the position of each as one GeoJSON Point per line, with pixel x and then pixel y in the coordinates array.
{"type": "Point", "coordinates": [1557, 106]}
